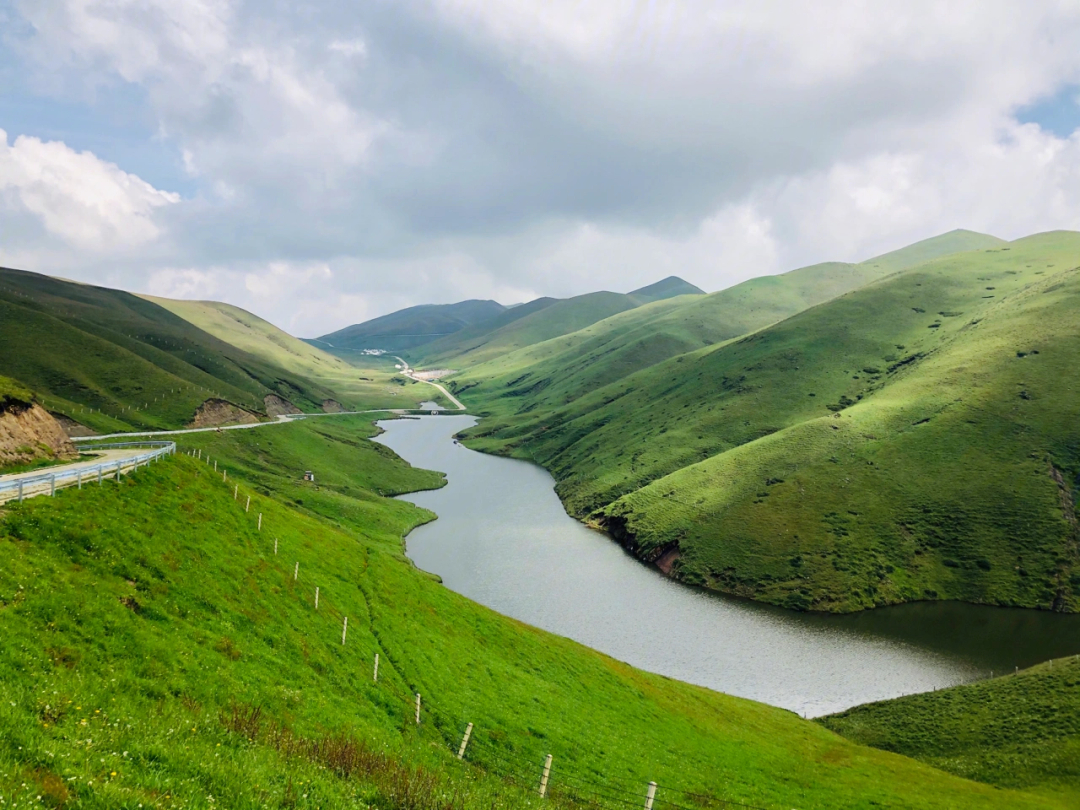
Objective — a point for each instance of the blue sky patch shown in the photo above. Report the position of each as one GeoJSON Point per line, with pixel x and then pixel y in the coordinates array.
{"type": "Point", "coordinates": [1059, 113]}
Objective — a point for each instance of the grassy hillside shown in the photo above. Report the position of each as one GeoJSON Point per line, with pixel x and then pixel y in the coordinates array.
{"type": "Point", "coordinates": [364, 383]}
{"type": "Point", "coordinates": [415, 326]}
{"type": "Point", "coordinates": [113, 361]}
{"type": "Point", "coordinates": [558, 318]}
{"type": "Point", "coordinates": [915, 439]}
{"type": "Point", "coordinates": [157, 651]}
{"type": "Point", "coordinates": [1019, 731]}
{"type": "Point", "coordinates": [557, 372]}
{"type": "Point", "coordinates": [670, 287]}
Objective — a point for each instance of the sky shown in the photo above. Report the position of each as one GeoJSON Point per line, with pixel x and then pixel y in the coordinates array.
{"type": "Point", "coordinates": [322, 163]}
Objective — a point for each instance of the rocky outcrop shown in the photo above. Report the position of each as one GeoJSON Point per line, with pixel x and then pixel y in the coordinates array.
{"type": "Point", "coordinates": [216, 412]}
{"type": "Point", "coordinates": [28, 432]}
{"type": "Point", "coordinates": [277, 406]}
{"type": "Point", "coordinates": [332, 406]}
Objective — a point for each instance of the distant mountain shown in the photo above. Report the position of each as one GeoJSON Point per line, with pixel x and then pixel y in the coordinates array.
{"type": "Point", "coordinates": [669, 287]}
{"type": "Point", "coordinates": [410, 327]}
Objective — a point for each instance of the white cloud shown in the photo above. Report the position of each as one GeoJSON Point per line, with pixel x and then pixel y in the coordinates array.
{"type": "Point", "coordinates": [84, 202]}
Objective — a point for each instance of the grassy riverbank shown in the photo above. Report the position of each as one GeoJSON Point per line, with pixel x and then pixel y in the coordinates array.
{"type": "Point", "coordinates": [158, 652]}
{"type": "Point", "coordinates": [1018, 731]}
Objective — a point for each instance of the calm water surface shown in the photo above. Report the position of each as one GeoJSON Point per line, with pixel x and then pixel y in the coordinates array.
{"type": "Point", "coordinates": [504, 540]}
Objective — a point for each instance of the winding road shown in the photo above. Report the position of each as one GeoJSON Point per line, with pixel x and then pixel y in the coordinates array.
{"type": "Point", "coordinates": [408, 372]}
{"type": "Point", "coordinates": [126, 454]}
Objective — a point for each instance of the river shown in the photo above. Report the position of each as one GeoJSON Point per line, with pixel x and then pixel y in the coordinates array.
{"type": "Point", "coordinates": [504, 540]}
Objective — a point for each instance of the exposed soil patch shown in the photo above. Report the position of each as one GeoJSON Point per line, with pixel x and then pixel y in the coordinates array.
{"type": "Point", "coordinates": [332, 406]}
{"type": "Point", "coordinates": [277, 406]}
{"type": "Point", "coordinates": [28, 432]}
{"type": "Point", "coordinates": [216, 412]}
{"type": "Point", "coordinates": [71, 427]}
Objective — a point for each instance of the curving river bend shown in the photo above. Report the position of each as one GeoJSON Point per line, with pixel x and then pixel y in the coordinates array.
{"type": "Point", "coordinates": [504, 540]}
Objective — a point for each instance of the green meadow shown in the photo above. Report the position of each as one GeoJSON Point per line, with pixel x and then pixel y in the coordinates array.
{"type": "Point", "coordinates": [157, 651]}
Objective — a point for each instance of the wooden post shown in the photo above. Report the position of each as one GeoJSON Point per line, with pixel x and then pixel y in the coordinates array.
{"type": "Point", "coordinates": [417, 708]}
{"type": "Point", "coordinates": [296, 572]}
{"type": "Point", "coordinates": [344, 629]}
{"type": "Point", "coordinates": [375, 675]}
{"type": "Point", "coordinates": [464, 741]}
{"type": "Point", "coordinates": [544, 778]}
{"type": "Point", "coordinates": [316, 597]}
{"type": "Point", "coordinates": [650, 795]}
{"type": "Point", "coordinates": [247, 507]}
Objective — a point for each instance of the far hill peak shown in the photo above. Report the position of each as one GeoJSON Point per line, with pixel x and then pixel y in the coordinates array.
{"type": "Point", "coordinates": [667, 288]}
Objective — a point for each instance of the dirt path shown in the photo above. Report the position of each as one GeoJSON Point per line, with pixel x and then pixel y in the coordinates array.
{"type": "Point", "coordinates": [408, 372]}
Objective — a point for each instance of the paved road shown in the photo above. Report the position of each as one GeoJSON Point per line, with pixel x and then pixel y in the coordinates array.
{"type": "Point", "coordinates": [45, 487]}
{"type": "Point", "coordinates": [408, 372]}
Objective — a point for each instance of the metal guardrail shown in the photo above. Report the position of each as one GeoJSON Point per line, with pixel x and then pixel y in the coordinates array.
{"type": "Point", "coordinates": [97, 472]}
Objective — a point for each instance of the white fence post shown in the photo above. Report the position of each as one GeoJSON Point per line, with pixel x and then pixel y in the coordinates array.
{"type": "Point", "coordinates": [375, 674]}
{"type": "Point", "coordinates": [247, 507]}
{"type": "Point", "coordinates": [650, 796]}
{"type": "Point", "coordinates": [464, 741]}
{"type": "Point", "coordinates": [236, 492]}
{"type": "Point", "coordinates": [316, 597]}
{"type": "Point", "coordinates": [260, 521]}
{"type": "Point", "coordinates": [417, 708]}
{"type": "Point", "coordinates": [275, 545]}
{"type": "Point", "coordinates": [544, 777]}
{"type": "Point", "coordinates": [296, 572]}
{"type": "Point", "coordinates": [344, 629]}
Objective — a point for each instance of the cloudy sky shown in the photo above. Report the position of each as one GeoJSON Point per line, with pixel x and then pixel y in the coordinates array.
{"type": "Point", "coordinates": [320, 163]}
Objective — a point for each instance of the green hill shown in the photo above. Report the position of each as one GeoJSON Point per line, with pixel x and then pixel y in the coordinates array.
{"type": "Point", "coordinates": [557, 318]}
{"type": "Point", "coordinates": [557, 372]}
{"type": "Point", "coordinates": [160, 649]}
{"type": "Point", "coordinates": [1019, 731]}
{"type": "Point", "coordinates": [670, 287]}
{"type": "Point", "coordinates": [412, 327]}
{"type": "Point", "coordinates": [542, 320]}
{"type": "Point", "coordinates": [113, 361]}
{"type": "Point", "coordinates": [366, 382]}
{"type": "Point", "coordinates": [914, 439]}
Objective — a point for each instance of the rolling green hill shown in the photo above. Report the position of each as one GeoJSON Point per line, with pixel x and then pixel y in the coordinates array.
{"type": "Point", "coordinates": [915, 439]}
{"type": "Point", "coordinates": [1019, 731]}
{"type": "Point", "coordinates": [670, 287]}
{"type": "Point", "coordinates": [113, 361]}
{"type": "Point", "coordinates": [408, 328]}
{"type": "Point", "coordinates": [545, 319]}
{"type": "Point", "coordinates": [556, 372]}
{"type": "Point", "coordinates": [363, 383]}
{"type": "Point", "coordinates": [160, 649]}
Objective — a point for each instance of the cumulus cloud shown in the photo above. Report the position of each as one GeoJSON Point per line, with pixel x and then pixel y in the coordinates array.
{"type": "Point", "coordinates": [82, 202]}
{"type": "Point", "coordinates": [348, 159]}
